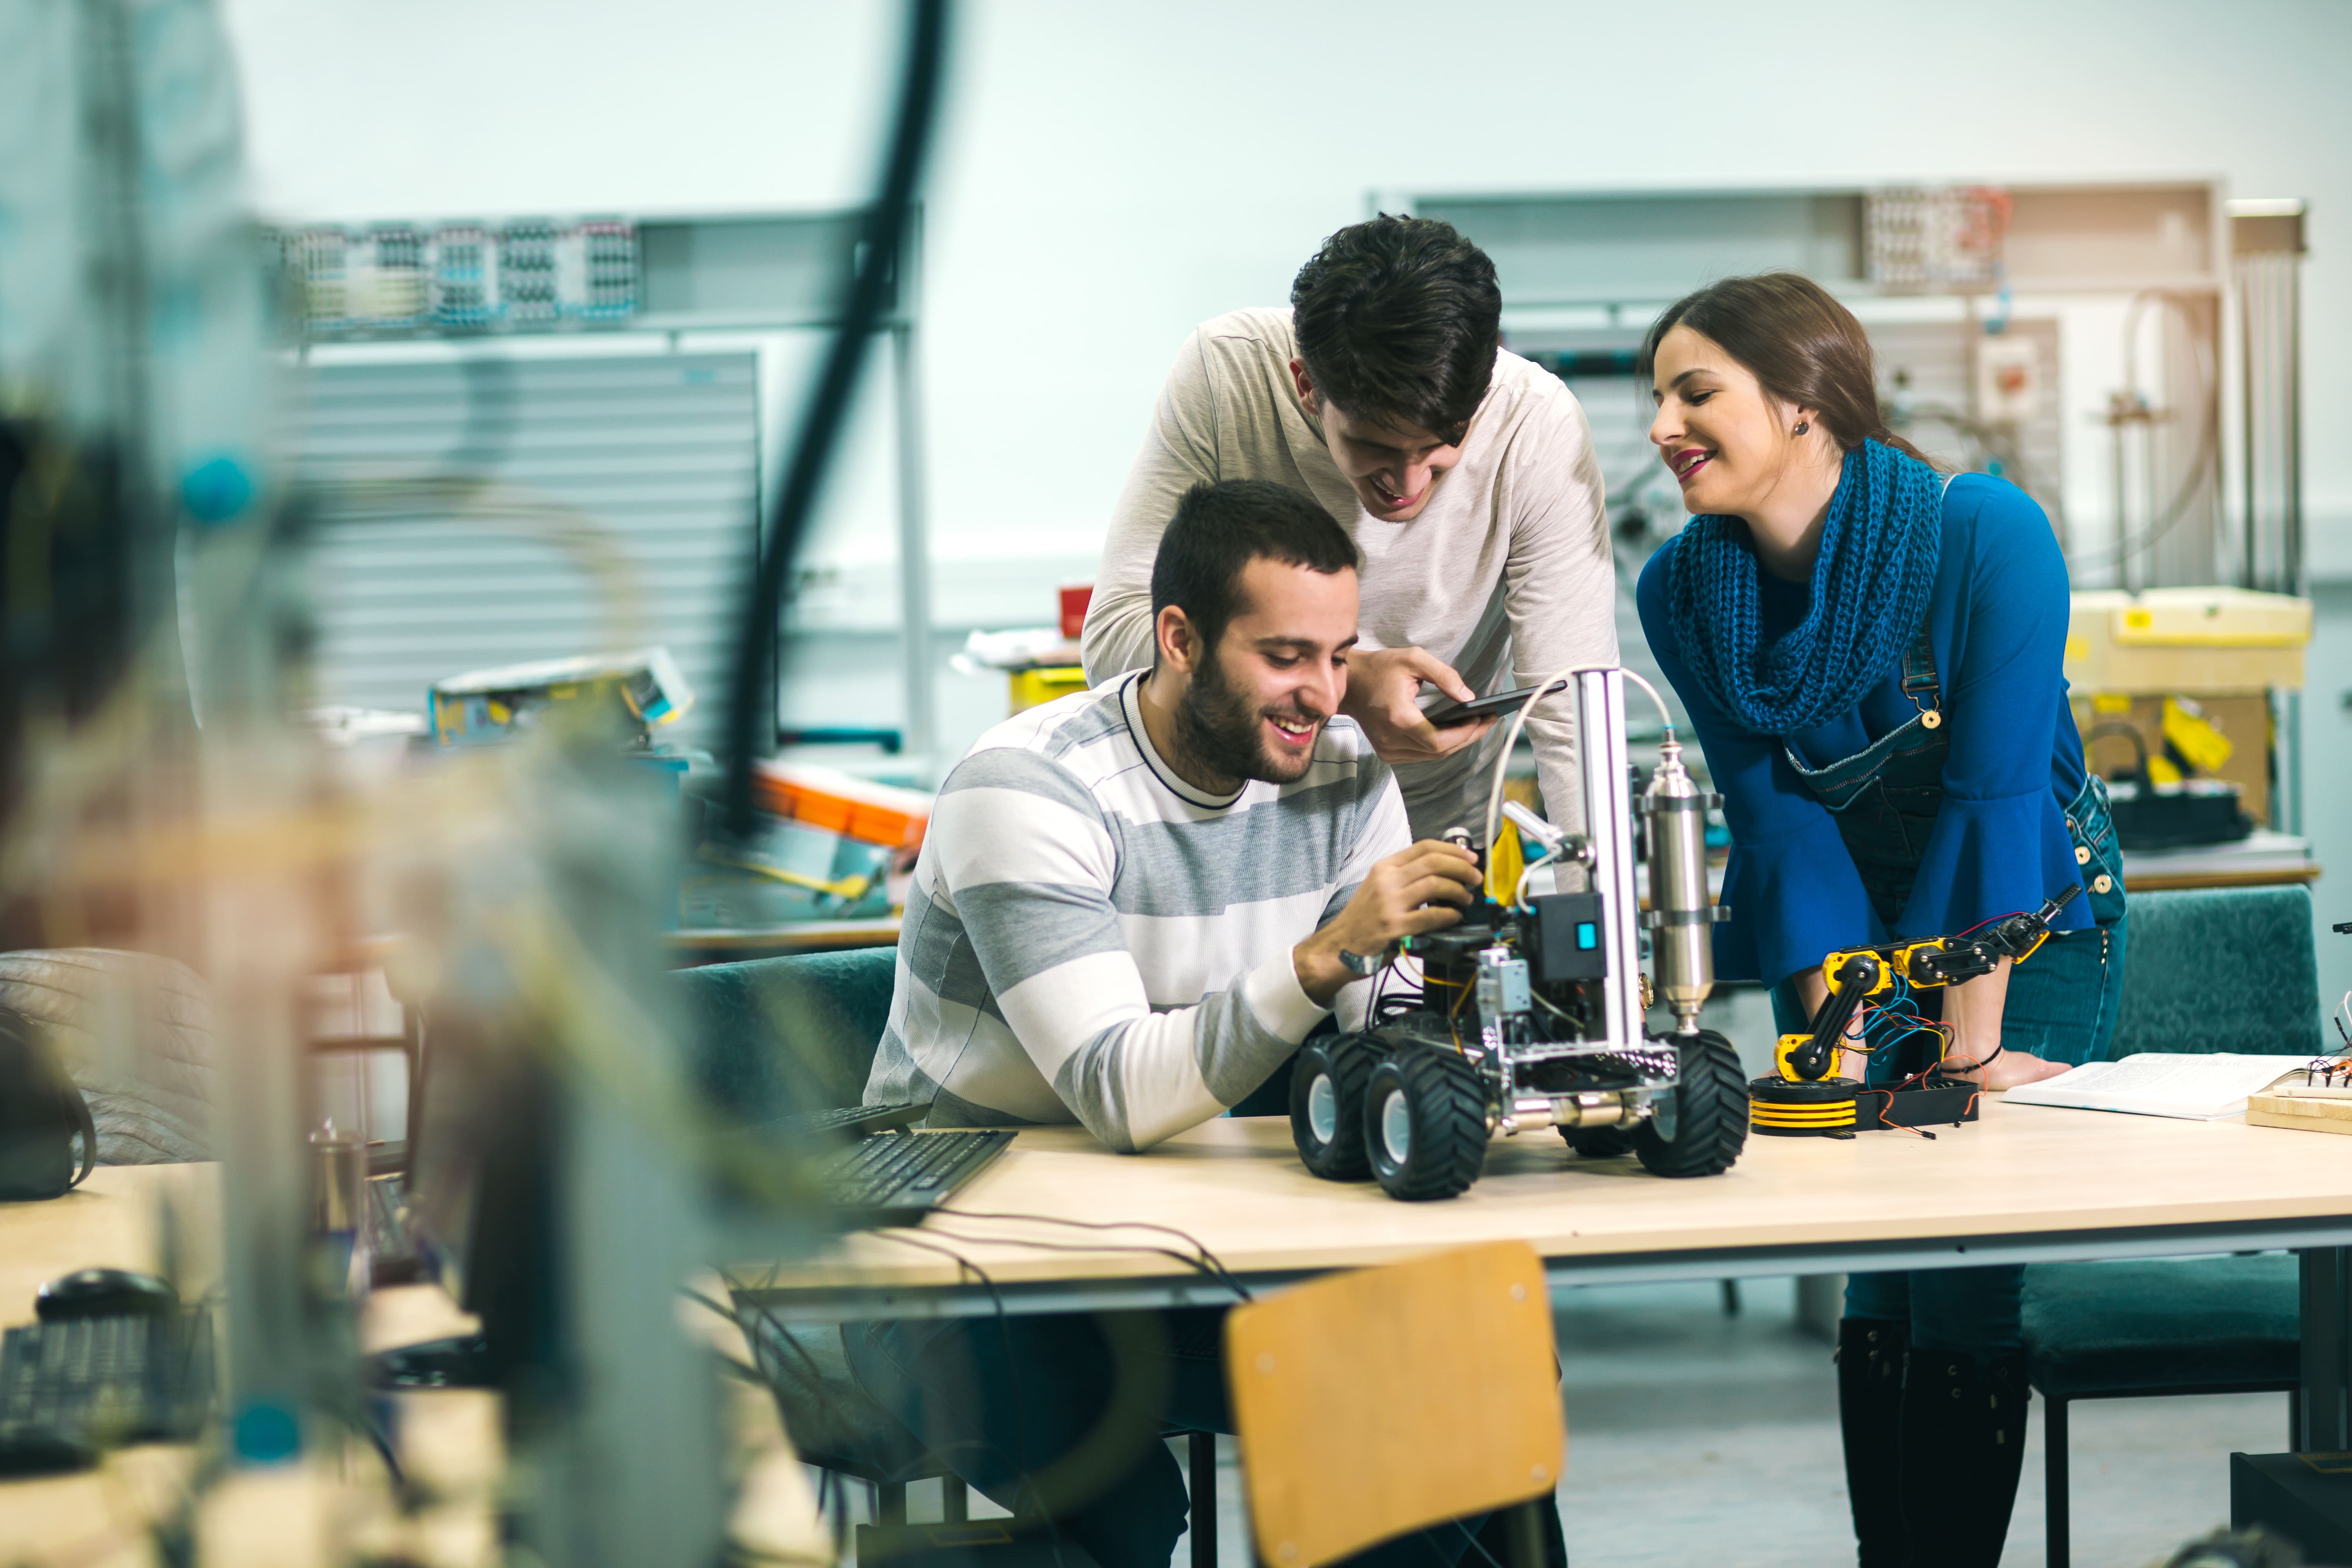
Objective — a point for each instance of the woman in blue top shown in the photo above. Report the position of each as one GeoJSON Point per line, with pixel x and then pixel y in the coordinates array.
{"type": "Point", "coordinates": [1870, 653]}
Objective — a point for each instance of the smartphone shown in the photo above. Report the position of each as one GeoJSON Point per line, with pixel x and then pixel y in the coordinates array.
{"type": "Point", "coordinates": [1447, 715]}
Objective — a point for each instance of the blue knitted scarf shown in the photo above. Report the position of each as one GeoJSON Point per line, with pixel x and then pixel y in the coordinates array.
{"type": "Point", "coordinates": [1870, 588]}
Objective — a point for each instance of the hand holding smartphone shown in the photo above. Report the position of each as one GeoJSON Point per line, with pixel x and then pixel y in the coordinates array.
{"type": "Point", "coordinates": [1446, 716]}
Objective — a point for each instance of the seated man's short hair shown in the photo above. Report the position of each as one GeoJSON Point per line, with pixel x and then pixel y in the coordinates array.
{"type": "Point", "coordinates": [1221, 528]}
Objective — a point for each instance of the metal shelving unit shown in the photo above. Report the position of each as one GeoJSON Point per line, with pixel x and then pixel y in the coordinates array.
{"type": "Point", "coordinates": [522, 282]}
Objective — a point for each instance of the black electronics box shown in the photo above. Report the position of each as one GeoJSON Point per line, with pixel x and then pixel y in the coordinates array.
{"type": "Point", "coordinates": [1936, 1102]}
{"type": "Point", "coordinates": [1569, 942]}
{"type": "Point", "coordinates": [2196, 811]}
{"type": "Point", "coordinates": [2307, 1497]}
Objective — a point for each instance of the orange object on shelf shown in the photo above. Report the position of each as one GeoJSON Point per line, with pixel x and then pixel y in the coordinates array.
{"type": "Point", "coordinates": [843, 803]}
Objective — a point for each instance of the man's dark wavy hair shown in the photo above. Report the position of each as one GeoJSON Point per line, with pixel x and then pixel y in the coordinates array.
{"type": "Point", "coordinates": [1221, 528]}
{"type": "Point", "coordinates": [1398, 321]}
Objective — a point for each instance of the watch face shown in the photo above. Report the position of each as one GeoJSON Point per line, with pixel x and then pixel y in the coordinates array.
{"type": "Point", "coordinates": [1358, 962]}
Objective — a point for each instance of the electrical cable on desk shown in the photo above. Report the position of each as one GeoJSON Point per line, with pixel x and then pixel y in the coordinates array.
{"type": "Point", "coordinates": [833, 1484]}
{"type": "Point", "coordinates": [744, 1370]}
{"type": "Point", "coordinates": [1885, 1118]}
{"type": "Point", "coordinates": [812, 1372]}
{"type": "Point", "coordinates": [1207, 1260]}
{"type": "Point", "coordinates": [932, 1228]}
{"type": "Point", "coordinates": [1026, 1466]}
{"type": "Point", "coordinates": [832, 1488]}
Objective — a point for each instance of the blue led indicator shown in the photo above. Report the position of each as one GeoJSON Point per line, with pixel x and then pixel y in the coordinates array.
{"type": "Point", "coordinates": [1587, 935]}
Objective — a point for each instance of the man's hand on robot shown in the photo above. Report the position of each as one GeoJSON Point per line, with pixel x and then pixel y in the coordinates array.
{"type": "Point", "coordinates": [1421, 889]}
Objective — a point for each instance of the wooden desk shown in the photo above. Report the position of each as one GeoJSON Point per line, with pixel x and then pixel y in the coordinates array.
{"type": "Point", "coordinates": [2024, 1185]}
{"type": "Point", "coordinates": [728, 944]}
{"type": "Point", "coordinates": [2263, 858]}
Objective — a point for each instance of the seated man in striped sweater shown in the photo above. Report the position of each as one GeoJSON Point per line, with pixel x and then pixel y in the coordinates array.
{"type": "Point", "coordinates": [1134, 902]}
{"type": "Point", "coordinates": [1132, 906]}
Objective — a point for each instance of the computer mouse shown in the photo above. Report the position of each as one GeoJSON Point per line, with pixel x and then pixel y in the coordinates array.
{"type": "Point", "coordinates": [105, 1293]}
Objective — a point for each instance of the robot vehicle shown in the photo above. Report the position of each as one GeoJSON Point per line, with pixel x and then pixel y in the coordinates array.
{"type": "Point", "coordinates": [1531, 1013]}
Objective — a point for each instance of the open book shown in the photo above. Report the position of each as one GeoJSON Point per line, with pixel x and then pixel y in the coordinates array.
{"type": "Point", "coordinates": [2161, 1083]}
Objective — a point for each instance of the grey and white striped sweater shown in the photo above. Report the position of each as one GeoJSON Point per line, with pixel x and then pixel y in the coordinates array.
{"type": "Point", "coordinates": [1089, 938]}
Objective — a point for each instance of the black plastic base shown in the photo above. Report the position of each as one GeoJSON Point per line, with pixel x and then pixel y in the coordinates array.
{"type": "Point", "coordinates": [1937, 1103]}
{"type": "Point", "coordinates": [1840, 1107]}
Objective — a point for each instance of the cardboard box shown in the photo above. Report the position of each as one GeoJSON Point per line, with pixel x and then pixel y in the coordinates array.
{"type": "Point", "coordinates": [2195, 640]}
{"type": "Point", "coordinates": [2240, 725]}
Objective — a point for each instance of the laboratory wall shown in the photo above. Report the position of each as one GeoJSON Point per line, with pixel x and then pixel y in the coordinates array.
{"type": "Point", "coordinates": [1112, 173]}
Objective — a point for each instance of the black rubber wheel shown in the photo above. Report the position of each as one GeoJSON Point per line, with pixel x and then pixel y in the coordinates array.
{"type": "Point", "coordinates": [1327, 1106]}
{"type": "Point", "coordinates": [1599, 1142]}
{"type": "Point", "coordinates": [1425, 1124]}
{"type": "Point", "coordinates": [1700, 1128]}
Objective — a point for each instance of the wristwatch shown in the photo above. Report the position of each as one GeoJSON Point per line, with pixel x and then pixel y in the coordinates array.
{"type": "Point", "coordinates": [1363, 966]}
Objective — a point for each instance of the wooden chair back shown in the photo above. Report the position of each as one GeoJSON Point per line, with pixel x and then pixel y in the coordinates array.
{"type": "Point", "coordinates": [1373, 1404]}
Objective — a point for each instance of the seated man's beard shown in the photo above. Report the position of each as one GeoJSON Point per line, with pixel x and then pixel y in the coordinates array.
{"type": "Point", "coordinates": [1217, 729]}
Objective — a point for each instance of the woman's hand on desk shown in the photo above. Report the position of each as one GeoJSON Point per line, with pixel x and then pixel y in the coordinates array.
{"type": "Point", "coordinates": [1412, 892]}
{"type": "Point", "coordinates": [2006, 1070]}
{"type": "Point", "coordinates": [1973, 1009]}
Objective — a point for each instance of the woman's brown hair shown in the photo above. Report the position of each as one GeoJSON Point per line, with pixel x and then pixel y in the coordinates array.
{"type": "Point", "coordinates": [1803, 347]}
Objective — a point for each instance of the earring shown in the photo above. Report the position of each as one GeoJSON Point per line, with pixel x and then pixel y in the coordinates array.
{"type": "Point", "coordinates": [1803, 426]}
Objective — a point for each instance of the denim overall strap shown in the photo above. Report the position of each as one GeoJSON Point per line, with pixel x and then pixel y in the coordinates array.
{"type": "Point", "coordinates": [1885, 797]}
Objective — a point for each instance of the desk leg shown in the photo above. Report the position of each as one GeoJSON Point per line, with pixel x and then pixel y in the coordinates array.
{"type": "Point", "coordinates": [2326, 1401]}
{"type": "Point", "coordinates": [1200, 1452]}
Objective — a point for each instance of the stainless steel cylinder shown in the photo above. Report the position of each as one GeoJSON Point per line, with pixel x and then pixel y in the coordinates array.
{"type": "Point", "coordinates": [1681, 917]}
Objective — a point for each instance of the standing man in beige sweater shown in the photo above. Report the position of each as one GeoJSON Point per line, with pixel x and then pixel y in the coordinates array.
{"type": "Point", "coordinates": [1464, 473]}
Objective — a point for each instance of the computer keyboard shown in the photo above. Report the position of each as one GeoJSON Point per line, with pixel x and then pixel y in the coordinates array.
{"type": "Point", "coordinates": [898, 1178]}
{"type": "Point", "coordinates": [859, 1120]}
{"type": "Point", "coordinates": [72, 1388]}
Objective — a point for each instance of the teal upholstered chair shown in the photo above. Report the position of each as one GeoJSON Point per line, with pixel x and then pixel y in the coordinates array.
{"type": "Point", "coordinates": [2225, 969]}
{"type": "Point", "coordinates": [777, 1034]}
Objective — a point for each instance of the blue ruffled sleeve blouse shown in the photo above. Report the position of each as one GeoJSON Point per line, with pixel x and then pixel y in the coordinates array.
{"type": "Point", "coordinates": [1996, 621]}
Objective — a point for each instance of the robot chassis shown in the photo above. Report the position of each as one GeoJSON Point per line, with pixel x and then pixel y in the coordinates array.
{"type": "Point", "coordinates": [1531, 1015]}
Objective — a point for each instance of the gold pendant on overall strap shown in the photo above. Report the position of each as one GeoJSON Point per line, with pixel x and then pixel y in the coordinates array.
{"type": "Point", "coordinates": [1929, 717]}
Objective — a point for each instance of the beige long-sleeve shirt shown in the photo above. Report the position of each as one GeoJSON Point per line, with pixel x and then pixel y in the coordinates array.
{"type": "Point", "coordinates": [1505, 574]}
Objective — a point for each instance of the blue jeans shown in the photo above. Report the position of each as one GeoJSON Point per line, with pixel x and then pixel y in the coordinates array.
{"type": "Point", "coordinates": [1070, 1409]}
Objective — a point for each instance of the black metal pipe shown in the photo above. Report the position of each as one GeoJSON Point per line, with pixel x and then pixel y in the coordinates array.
{"type": "Point", "coordinates": [875, 272]}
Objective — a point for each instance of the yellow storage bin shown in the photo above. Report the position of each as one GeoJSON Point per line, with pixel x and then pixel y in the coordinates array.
{"type": "Point", "coordinates": [1033, 687]}
{"type": "Point", "coordinates": [2170, 640]}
